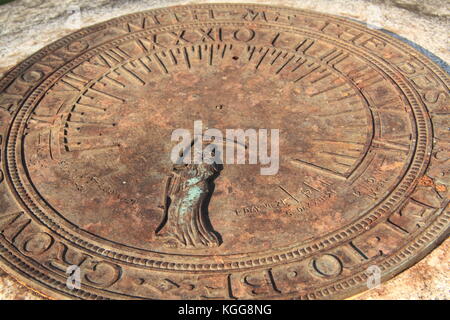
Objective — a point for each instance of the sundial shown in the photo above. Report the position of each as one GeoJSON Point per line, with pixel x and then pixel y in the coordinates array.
{"type": "Point", "coordinates": [87, 178]}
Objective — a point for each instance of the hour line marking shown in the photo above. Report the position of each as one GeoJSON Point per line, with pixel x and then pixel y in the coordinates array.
{"type": "Point", "coordinates": [262, 58]}
{"type": "Point", "coordinates": [285, 64]}
{"type": "Point", "coordinates": [106, 94]}
{"type": "Point", "coordinates": [329, 172]}
{"type": "Point", "coordinates": [133, 75]}
{"type": "Point", "coordinates": [289, 194]}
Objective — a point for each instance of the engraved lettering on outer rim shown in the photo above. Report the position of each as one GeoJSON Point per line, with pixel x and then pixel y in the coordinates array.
{"type": "Point", "coordinates": [327, 265]}
{"type": "Point", "coordinates": [315, 56]}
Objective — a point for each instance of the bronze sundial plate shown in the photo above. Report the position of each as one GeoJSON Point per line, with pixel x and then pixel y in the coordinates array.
{"type": "Point", "coordinates": [87, 180]}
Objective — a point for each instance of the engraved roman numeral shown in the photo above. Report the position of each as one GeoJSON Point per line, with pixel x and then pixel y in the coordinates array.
{"type": "Point", "coordinates": [274, 41]}
{"type": "Point", "coordinates": [210, 34]}
{"type": "Point", "coordinates": [179, 37]}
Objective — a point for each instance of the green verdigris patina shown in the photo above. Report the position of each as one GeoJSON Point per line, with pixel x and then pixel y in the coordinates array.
{"type": "Point", "coordinates": [185, 201]}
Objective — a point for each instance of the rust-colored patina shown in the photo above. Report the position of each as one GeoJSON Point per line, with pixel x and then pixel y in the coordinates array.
{"type": "Point", "coordinates": [87, 180]}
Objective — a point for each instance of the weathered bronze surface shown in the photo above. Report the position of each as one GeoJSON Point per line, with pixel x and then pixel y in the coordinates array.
{"type": "Point", "coordinates": [85, 135]}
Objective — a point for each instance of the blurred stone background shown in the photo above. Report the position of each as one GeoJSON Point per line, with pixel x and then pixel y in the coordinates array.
{"type": "Point", "coordinates": [29, 25]}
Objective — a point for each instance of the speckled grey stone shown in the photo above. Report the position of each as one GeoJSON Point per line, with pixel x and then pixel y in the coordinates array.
{"type": "Point", "coordinates": [439, 8]}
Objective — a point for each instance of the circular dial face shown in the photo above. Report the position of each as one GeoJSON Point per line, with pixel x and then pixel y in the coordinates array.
{"type": "Point", "coordinates": [359, 193]}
